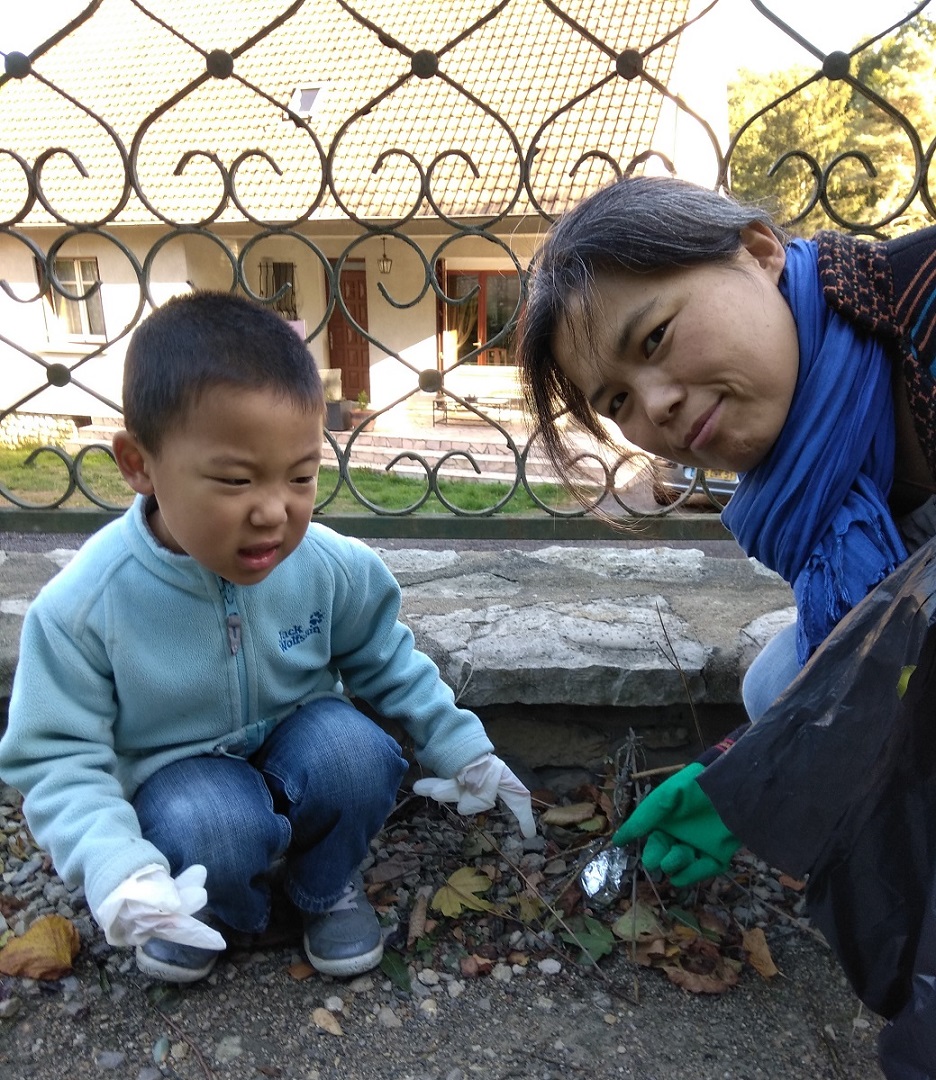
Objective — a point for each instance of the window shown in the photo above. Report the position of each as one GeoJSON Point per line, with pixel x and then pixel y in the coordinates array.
{"type": "Point", "coordinates": [305, 99]}
{"type": "Point", "coordinates": [275, 276]}
{"type": "Point", "coordinates": [483, 317]}
{"type": "Point", "coordinates": [74, 318]}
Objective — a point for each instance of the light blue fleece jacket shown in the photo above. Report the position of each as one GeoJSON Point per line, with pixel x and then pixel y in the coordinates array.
{"type": "Point", "coordinates": [133, 657]}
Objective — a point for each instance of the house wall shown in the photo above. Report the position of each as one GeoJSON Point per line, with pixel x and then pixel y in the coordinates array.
{"type": "Point", "coordinates": [404, 331]}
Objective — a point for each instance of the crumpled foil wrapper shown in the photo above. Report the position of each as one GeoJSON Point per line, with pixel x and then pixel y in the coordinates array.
{"type": "Point", "coordinates": [606, 875]}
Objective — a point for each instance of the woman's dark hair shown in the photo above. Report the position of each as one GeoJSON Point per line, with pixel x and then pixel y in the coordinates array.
{"type": "Point", "coordinates": [636, 225]}
{"type": "Point", "coordinates": [207, 339]}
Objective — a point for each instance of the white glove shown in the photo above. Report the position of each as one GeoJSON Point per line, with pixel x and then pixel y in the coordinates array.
{"type": "Point", "coordinates": [150, 903]}
{"type": "Point", "coordinates": [478, 786]}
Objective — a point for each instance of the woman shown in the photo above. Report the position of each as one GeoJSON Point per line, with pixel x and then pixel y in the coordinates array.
{"type": "Point", "coordinates": [708, 337]}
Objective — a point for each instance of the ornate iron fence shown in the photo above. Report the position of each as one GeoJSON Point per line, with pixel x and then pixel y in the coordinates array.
{"type": "Point", "coordinates": [381, 173]}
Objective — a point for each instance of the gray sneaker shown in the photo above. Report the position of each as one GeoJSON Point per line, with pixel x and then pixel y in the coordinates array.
{"type": "Point", "coordinates": [346, 939]}
{"type": "Point", "coordinates": [172, 962]}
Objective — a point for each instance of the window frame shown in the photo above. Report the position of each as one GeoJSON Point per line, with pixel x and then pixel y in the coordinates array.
{"type": "Point", "coordinates": [82, 306]}
{"type": "Point", "coordinates": [496, 355]}
{"type": "Point", "coordinates": [295, 100]}
{"type": "Point", "coordinates": [274, 274]}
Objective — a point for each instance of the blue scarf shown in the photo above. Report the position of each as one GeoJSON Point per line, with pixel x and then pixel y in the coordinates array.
{"type": "Point", "coordinates": [815, 509]}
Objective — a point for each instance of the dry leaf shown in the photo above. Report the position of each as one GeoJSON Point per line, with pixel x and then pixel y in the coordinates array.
{"type": "Point", "coordinates": [758, 952]}
{"type": "Point", "coordinates": [417, 921]}
{"type": "Point", "coordinates": [9, 905]}
{"type": "Point", "coordinates": [326, 1021]}
{"type": "Point", "coordinates": [474, 965]}
{"type": "Point", "coordinates": [712, 922]}
{"type": "Point", "coordinates": [300, 970]}
{"type": "Point", "coordinates": [568, 815]}
{"type": "Point", "coordinates": [46, 951]}
{"type": "Point", "coordinates": [651, 952]}
{"type": "Point", "coordinates": [791, 883]}
{"type": "Point", "coordinates": [391, 869]}
{"type": "Point", "coordinates": [722, 977]}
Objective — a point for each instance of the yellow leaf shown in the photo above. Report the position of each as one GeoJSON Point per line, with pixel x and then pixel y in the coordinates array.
{"type": "Point", "coordinates": [598, 823]}
{"type": "Point", "coordinates": [326, 1021]}
{"type": "Point", "coordinates": [640, 923]}
{"type": "Point", "coordinates": [460, 892]}
{"type": "Point", "coordinates": [46, 951]}
{"type": "Point", "coordinates": [687, 932]}
{"type": "Point", "coordinates": [568, 815]}
{"type": "Point", "coordinates": [531, 908]}
{"type": "Point", "coordinates": [755, 945]}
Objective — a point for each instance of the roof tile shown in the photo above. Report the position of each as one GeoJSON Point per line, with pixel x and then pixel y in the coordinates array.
{"type": "Point", "coordinates": [507, 86]}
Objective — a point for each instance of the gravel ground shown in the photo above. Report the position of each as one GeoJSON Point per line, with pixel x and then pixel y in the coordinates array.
{"type": "Point", "coordinates": [480, 994]}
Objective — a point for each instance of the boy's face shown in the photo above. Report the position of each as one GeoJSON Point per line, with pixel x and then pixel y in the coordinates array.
{"type": "Point", "coordinates": [235, 483]}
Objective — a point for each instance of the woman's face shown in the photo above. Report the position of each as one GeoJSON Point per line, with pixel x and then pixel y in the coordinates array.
{"type": "Point", "coordinates": [697, 365]}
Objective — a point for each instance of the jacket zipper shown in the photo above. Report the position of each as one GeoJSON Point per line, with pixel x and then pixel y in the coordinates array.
{"type": "Point", "coordinates": [233, 624]}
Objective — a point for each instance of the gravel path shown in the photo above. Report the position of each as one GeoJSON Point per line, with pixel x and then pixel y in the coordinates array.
{"type": "Point", "coordinates": [476, 995]}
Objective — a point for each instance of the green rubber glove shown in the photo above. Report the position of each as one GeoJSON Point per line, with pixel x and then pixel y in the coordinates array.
{"type": "Point", "coordinates": [686, 838]}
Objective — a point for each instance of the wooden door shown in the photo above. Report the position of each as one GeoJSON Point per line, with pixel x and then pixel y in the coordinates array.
{"type": "Point", "coordinates": [347, 348]}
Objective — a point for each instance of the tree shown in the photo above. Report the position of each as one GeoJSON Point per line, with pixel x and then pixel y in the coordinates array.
{"type": "Point", "coordinates": [845, 152]}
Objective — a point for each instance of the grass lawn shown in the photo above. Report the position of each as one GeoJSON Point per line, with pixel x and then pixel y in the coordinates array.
{"type": "Point", "coordinates": [46, 479]}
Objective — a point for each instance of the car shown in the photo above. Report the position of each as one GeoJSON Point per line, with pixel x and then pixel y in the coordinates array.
{"type": "Point", "coordinates": [672, 481]}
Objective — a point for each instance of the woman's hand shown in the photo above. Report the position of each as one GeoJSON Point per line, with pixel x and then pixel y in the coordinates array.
{"type": "Point", "coordinates": [686, 838]}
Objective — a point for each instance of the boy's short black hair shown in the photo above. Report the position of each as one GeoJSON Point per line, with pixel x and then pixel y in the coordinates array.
{"type": "Point", "coordinates": [206, 339]}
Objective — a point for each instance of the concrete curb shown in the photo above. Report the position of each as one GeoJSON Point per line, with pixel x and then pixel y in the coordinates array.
{"type": "Point", "coordinates": [561, 649]}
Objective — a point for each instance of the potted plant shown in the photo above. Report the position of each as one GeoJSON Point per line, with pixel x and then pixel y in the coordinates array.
{"type": "Point", "coordinates": [336, 415]}
{"type": "Point", "coordinates": [360, 412]}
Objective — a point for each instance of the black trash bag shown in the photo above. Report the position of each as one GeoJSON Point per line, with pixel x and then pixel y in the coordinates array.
{"type": "Point", "coordinates": [838, 781]}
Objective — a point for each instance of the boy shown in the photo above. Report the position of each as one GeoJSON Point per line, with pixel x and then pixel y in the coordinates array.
{"type": "Point", "coordinates": [178, 722]}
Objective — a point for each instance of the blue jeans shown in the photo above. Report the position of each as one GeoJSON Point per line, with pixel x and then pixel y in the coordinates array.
{"type": "Point", "coordinates": [772, 671]}
{"type": "Point", "coordinates": [318, 790]}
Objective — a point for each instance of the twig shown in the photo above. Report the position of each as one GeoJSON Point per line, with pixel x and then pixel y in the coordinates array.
{"type": "Point", "coordinates": [790, 918]}
{"type": "Point", "coordinates": [661, 770]}
{"type": "Point", "coordinates": [623, 774]}
{"type": "Point", "coordinates": [206, 1069]}
{"type": "Point", "coordinates": [674, 660]}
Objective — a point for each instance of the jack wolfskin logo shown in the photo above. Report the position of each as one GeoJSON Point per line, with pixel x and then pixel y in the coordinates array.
{"type": "Point", "coordinates": [297, 634]}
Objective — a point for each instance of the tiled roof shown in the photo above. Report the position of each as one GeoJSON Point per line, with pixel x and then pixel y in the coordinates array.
{"type": "Point", "coordinates": [502, 82]}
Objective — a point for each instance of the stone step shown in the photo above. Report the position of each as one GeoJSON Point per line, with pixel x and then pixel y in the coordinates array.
{"type": "Point", "coordinates": [565, 648]}
{"type": "Point", "coordinates": [376, 449]}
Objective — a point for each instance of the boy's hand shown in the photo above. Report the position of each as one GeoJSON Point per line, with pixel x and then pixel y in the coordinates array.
{"type": "Point", "coordinates": [686, 838]}
{"type": "Point", "coordinates": [478, 787]}
{"type": "Point", "coordinates": [150, 903]}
